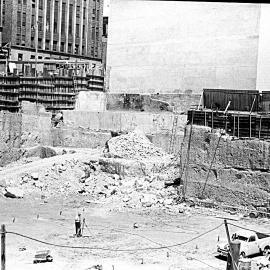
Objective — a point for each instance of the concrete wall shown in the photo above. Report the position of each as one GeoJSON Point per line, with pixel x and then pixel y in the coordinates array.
{"type": "Point", "coordinates": [168, 45]}
{"type": "Point", "coordinates": [99, 102]}
{"type": "Point", "coordinates": [90, 101]}
{"type": "Point", "coordinates": [92, 129]}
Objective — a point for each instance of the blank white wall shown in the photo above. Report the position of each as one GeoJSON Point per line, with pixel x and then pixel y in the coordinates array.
{"type": "Point", "coordinates": [263, 68]}
{"type": "Point", "coordinates": [167, 45]}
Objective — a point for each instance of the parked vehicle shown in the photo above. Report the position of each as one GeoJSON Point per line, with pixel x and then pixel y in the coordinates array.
{"type": "Point", "coordinates": [252, 243]}
{"type": "Point", "coordinates": [43, 256]}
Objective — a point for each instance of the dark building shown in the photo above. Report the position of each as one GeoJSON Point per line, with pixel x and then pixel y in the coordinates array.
{"type": "Point", "coordinates": [104, 40]}
{"type": "Point", "coordinates": [65, 29]}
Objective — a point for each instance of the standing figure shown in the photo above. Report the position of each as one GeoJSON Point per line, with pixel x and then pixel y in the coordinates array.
{"type": "Point", "coordinates": [78, 232]}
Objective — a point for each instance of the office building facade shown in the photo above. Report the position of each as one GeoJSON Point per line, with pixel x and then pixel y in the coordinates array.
{"type": "Point", "coordinates": [58, 29]}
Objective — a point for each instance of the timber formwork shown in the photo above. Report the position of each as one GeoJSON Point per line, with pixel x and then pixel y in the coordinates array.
{"type": "Point", "coordinates": [54, 92]}
{"type": "Point", "coordinates": [9, 94]}
{"type": "Point", "coordinates": [95, 83]}
{"type": "Point", "coordinates": [236, 123]}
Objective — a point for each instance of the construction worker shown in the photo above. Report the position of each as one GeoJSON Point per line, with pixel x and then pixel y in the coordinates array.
{"type": "Point", "coordinates": [78, 225]}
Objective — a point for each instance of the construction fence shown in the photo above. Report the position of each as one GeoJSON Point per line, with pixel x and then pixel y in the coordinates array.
{"type": "Point", "coordinates": [238, 124]}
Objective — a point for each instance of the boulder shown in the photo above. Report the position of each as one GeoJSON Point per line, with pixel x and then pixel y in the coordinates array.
{"type": "Point", "coordinates": [13, 192]}
{"type": "Point", "coordinates": [3, 183]}
{"type": "Point", "coordinates": [40, 151]}
{"type": "Point", "coordinates": [34, 176]}
{"type": "Point", "coordinates": [148, 200]}
{"type": "Point", "coordinates": [168, 202]}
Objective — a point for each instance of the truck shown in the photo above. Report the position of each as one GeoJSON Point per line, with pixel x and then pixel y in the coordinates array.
{"type": "Point", "coordinates": [252, 243]}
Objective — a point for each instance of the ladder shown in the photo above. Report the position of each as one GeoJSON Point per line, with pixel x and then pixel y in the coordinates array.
{"type": "Point", "coordinates": [173, 134]}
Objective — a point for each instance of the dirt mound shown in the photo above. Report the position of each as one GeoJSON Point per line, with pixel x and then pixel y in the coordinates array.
{"type": "Point", "coordinates": [134, 145]}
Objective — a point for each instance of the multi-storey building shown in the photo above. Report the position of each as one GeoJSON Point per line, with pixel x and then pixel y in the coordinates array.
{"type": "Point", "coordinates": [58, 29]}
{"type": "Point", "coordinates": [104, 40]}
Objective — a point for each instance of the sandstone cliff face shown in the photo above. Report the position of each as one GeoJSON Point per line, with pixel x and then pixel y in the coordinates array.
{"type": "Point", "coordinates": [240, 172]}
{"type": "Point", "coordinates": [19, 130]}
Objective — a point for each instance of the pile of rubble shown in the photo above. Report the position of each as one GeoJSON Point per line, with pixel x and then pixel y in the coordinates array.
{"type": "Point", "coordinates": [93, 178]}
{"type": "Point", "coordinates": [88, 179]}
{"type": "Point", "coordinates": [134, 145]}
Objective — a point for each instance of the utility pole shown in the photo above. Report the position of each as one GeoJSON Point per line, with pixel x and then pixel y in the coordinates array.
{"type": "Point", "coordinates": [234, 249]}
{"type": "Point", "coordinates": [3, 247]}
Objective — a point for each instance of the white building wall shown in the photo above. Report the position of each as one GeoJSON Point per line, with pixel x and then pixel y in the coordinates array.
{"type": "Point", "coordinates": [263, 67]}
{"type": "Point", "coordinates": [167, 45]}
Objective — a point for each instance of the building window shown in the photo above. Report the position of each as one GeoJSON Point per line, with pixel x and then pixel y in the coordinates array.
{"type": "Point", "coordinates": [40, 4]}
{"type": "Point", "coordinates": [54, 45]}
{"type": "Point", "coordinates": [39, 57]}
{"type": "Point", "coordinates": [40, 43]}
{"type": "Point", "coordinates": [55, 17]}
{"type": "Point", "coordinates": [24, 19]}
{"type": "Point", "coordinates": [78, 12]}
{"type": "Point", "coordinates": [69, 47]}
{"type": "Point", "coordinates": [93, 33]}
{"type": "Point", "coordinates": [62, 47]}
{"type": "Point", "coordinates": [48, 17]}
{"type": "Point", "coordinates": [32, 57]}
{"type": "Point", "coordinates": [47, 44]}
{"type": "Point", "coordinates": [33, 21]}
{"type": "Point", "coordinates": [63, 24]}
{"type": "Point", "coordinates": [23, 40]}
{"type": "Point", "coordinates": [83, 33]}
{"type": "Point", "coordinates": [70, 19]}
{"type": "Point", "coordinates": [40, 23]}
{"type": "Point", "coordinates": [84, 12]}
{"type": "Point", "coordinates": [76, 49]}
{"type": "Point", "coordinates": [20, 56]}
{"type": "Point", "coordinates": [77, 30]}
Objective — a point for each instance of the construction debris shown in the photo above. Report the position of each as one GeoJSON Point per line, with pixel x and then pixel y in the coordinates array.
{"type": "Point", "coordinates": [13, 192]}
{"type": "Point", "coordinates": [134, 145]}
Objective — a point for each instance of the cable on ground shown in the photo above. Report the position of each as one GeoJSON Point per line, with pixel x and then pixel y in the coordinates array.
{"type": "Point", "coordinates": [110, 249]}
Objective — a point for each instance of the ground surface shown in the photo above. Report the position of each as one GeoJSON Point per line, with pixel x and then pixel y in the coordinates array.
{"type": "Point", "coordinates": [113, 229]}
{"type": "Point", "coordinates": [52, 201]}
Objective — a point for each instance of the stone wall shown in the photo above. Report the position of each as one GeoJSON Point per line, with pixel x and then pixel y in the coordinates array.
{"type": "Point", "coordinates": [240, 171]}
{"type": "Point", "coordinates": [10, 137]}
{"type": "Point", "coordinates": [19, 130]}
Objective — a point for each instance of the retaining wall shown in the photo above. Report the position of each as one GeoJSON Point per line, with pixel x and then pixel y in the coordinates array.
{"type": "Point", "coordinates": [20, 130]}
{"type": "Point", "coordinates": [240, 172]}
{"type": "Point", "coordinates": [80, 127]}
